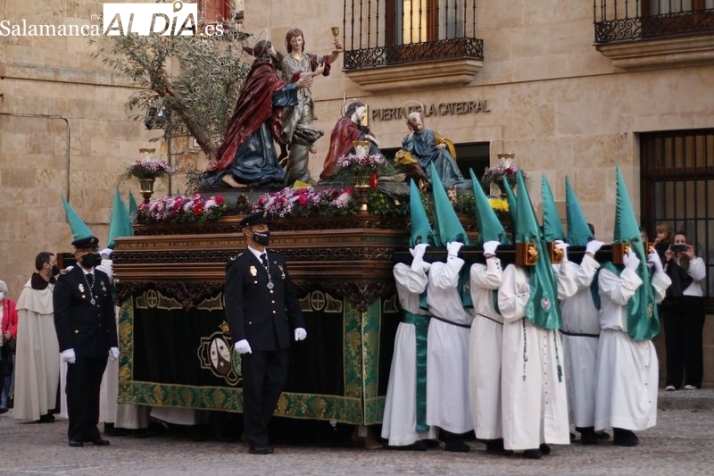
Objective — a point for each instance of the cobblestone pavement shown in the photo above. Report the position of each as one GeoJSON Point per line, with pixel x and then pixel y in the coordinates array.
{"type": "Point", "coordinates": [681, 443]}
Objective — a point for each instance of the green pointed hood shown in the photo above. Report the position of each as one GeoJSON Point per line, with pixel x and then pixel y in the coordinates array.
{"type": "Point", "coordinates": [489, 225]}
{"type": "Point", "coordinates": [119, 223]}
{"type": "Point", "coordinates": [642, 317]}
{"type": "Point", "coordinates": [133, 207]}
{"type": "Point", "coordinates": [448, 226]}
{"type": "Point", "coordinates": [552, 226]}
{"type": "Point", "coordinates": [511, 199]}
{"type": "Point", "coordinates": [542, 308]}
{"type": "Point", "coordinates": [578, 230]}
{"type": "Point", "coordinates": [80, 231]}
{"type": "Point", "coordinates": [421, 231]}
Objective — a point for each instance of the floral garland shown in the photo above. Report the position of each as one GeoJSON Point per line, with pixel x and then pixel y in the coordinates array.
{"type": "Point", "coordinates": [144, 169]}
{"type": "Point", "coordinates": [327, 202]}
{"type": "Point", "coordinates": [182, 209]}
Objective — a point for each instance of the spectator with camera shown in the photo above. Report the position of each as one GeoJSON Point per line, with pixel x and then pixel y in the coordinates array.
{"type": "Point", "coordinates": [683, 315]}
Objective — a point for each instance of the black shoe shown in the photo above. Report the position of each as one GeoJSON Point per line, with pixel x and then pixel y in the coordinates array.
{"type": "Point", "coordinates": [432, 443]}
{"type": "Point", "coordinates": [532, 454]}
{"type": "Point", "coordinates": [3, 410]}
{"type": "Point", "coordinates": [602, 435]}
{"type": "Point", "coordinates": [545, 449]}
{"type": "Point", "coordinates": [573, 437]}
{"type": "Point", "coordinates": [99, 442]}
{"type": "Point", "coordinates": [457, 446]}
{"type": "Point", "coordinates": [46, 418]}
{"type": "Point", "coordinates": [261, 450]}
{"type": "Point", "coordinates": [495, 447]}
{"type": "Point", "coordinates": [75, 444]}
{"type": "Point", "coordinates": [588, 435]}
{"type": "Point", "coordinates": [625, 438]}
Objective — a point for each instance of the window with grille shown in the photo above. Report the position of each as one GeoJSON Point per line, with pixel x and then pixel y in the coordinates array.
{"type": "Point", "coordinates": [677, 174]}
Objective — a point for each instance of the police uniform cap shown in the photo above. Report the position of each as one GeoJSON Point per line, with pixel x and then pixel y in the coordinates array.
{"type": "Point", "coordinates": [256, 218]}
{"type": "Point", "coordinates": [87, 243]}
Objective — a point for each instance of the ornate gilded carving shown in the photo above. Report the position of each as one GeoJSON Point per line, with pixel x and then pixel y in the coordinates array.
{"type": "Point", "coordinates": [189, 294]}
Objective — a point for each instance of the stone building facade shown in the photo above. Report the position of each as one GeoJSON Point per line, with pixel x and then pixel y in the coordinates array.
{"type": "Point", "coordinates": [539, 84]}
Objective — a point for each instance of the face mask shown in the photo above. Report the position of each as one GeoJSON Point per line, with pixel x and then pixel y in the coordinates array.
{"type": "Point", "coordinates": [90, 260]}
{"type": "Point", "coordinates": [2, 296]}
{"type": "Point", "coordinates": [261, 237]}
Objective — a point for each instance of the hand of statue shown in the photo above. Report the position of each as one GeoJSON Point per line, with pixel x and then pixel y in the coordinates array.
{"type": "Point", "coordinates": [441, 146]}
{"type": "Point", "coordinates": [319, 70]}
{"type": "Point", "coordinates": [338, 45]}
{"type": "Point", "coordinates": [305, 81]}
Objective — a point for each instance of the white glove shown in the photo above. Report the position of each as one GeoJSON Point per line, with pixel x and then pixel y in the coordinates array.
{"type": "Point", "coordinates": [631, 261]}
{"type": "Point", "coordinates": [300, 334]}
{"type": "Point", "coordinates": [489, 248]}
{"type": "Point", "coordinates": [562, 246]}
{"type": "Point", "coordinates": [113, 353]}
{"type": "Point", "coordinates": [453, 248]}
{"type": "Point", "coordinates": [593, 246]}
{"type": "Point", "coordinates": [68, 356]}
{"type": "Point", "coordinates": [243, 347]}
{"type": "Point", "coordinates": [418, 251]}
{"type": "Point", "coordinates": [655, 260]}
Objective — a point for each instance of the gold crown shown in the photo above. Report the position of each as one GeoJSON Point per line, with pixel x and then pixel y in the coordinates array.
{"type": "Point", "coordinates": [224, 328]}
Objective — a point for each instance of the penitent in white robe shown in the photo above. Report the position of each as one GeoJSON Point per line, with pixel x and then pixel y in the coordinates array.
{"type": "Point", "coordinates": [37, 359]}
{"type": "Point", "coordinates": [447, 397]}
{"type": "Point", "coordinates": [485, 351]}
{"type": "Point", "coordinates": [580, 335]}
{"type": "Point", "coordinates": [535, 405]}
{"type": "Point", "coordinates": [627, 370]}
{"type": "Point", "coordinates": [400, 406]}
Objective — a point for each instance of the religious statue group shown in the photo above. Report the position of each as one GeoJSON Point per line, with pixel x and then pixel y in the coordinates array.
{"type": "Point", "coordinates": [519, 351]}
{"type": "Point", "coordinates": [275, 106]}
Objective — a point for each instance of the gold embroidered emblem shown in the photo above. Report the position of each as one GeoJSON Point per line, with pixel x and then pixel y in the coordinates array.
{"type": "Point", "coordinates": [282, 271]}
{"type": "Point", "coordinates": [81, 287]}
{"type": "Point", "coordinates": [253, 271]}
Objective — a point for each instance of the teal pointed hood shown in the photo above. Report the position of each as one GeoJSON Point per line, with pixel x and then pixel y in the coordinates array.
{"type": "Point", "coordinates": [511, 199]}
{"type": "Point", "coordinates": [490, 227]}
{"type": "Point", "coordinates": [448, 226]}
{"type": "Point", "coordinates": [642, 316]}
{"type": "Point", "coordinates": [80, 231]}
{"type": "Point", "coordinates": [421, 231]}
{"type": "Point", "coordinates": [119, 223]}
{"type": "Point", "coordinates": [578, 229]}
{"type": "Point", "coordinates": [552, 226]}
{"type": "Point", "coordinates": [133, 207]}
{"type": "Point", "coordinates": [542, 308]}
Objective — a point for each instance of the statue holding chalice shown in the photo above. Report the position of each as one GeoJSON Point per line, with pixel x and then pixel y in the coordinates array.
{"type": "Point", "coordinates": [297, 131]}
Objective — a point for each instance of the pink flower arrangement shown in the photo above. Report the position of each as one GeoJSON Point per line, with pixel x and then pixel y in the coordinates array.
{"type": "Point", "coordinates": [361, 165]}
{"type": "Point", "coordinates": [181, 209]}
{"type": "Point", "coordinates": [308, 201]}
{"type": "Point", "coordinates": [143, 169]}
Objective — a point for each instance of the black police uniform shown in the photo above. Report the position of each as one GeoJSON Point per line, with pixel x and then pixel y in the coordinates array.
{"type": "Point", "coordinates": [89, 329]}
{"type": "Point", "coordinates": [266, 316]}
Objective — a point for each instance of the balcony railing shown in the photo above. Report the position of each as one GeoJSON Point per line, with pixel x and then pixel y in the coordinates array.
{"type": "Point", "coordinates": [634, 20]}
{"type": "Point", "coordinates": [381, 33]}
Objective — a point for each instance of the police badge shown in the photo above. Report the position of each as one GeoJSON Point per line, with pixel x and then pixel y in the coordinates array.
{"type": "Point", "coordinates": [253, 271]}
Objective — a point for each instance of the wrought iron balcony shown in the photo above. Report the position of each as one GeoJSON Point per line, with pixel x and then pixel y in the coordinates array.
{"type": "Point", "coordinates": [393, 44]}
{"type": "Point", "coordinates": [412, 53]}
{"type": "Point", "coordinates": [636, 20]}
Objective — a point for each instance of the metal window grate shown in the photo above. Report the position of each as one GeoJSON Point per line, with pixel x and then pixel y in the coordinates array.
{"type": "Point", "coordinates": [677, 183]}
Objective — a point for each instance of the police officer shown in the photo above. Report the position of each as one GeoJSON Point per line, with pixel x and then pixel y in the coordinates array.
{"type": "Point", "coordinates": [87, 335]}
{"type": "Point", "coordinates": [264, 315]}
